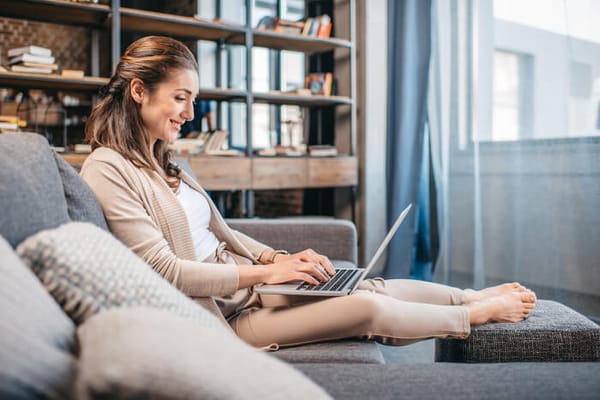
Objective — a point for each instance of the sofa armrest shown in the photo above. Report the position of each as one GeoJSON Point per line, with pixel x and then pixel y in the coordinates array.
{"type": "Point", "coordinates": [334, 238]}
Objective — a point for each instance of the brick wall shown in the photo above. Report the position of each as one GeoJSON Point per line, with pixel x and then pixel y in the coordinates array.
{"type": "Point", "coordinates": [278, 203]}
{"type": "Point", "coordinates": [267, 203]}
{"type": "Point", "coordinates": [69, 44]}
{"type": "Point", "coordinates": [181, 7]}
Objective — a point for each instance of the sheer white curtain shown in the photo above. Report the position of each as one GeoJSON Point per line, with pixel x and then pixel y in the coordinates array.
{"type": "Point", "coordinates": [514, 118]}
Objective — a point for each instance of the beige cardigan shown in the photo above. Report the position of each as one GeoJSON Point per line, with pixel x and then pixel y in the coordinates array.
{"type": "Point", "coordinates": [143, 212]}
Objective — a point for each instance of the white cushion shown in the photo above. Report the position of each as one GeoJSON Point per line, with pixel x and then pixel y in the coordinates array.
{"type": "Point", "coordinates": [144, 353]}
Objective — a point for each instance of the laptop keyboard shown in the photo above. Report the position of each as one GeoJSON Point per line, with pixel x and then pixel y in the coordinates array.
{"type": "Point", "coordinates": [337, 281]}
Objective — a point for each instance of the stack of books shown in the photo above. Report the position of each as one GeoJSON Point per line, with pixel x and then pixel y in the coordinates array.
{"type": "Point", "coordinates": [319, 26]}
{"type": "Point", "coordinates": [211, 143]}
{"type": "Point", "coordinates": [31, 59]}
{"type": "Point", "coordinates": [11, 124]}
{"type": "Point", "coordinates": [322, 150]}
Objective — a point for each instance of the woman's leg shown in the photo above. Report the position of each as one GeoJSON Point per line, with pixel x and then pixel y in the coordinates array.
{"type": "Point", "coordinates": [363, 314]}
{"type": "Point", "coordinates": [379, 316]}
{"type": "Point", "coordinates": [434, 293]}
{"type": "Point", "coordinates": [416, 291]}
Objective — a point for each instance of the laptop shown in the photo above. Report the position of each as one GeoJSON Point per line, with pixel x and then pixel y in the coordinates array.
{"type": "Point", "coordinates": [344, 281]}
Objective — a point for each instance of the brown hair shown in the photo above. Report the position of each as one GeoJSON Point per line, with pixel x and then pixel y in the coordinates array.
{"type": "Point", "coordinates": [116, 122]}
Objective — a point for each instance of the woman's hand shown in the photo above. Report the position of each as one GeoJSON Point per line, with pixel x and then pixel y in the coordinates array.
{"type": "Point", "coordinates": [306, 265]}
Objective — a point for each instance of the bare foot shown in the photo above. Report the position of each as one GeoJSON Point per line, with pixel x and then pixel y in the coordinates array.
{"type": "Point", "coordinates": [510, 307]}
{"type": "Point", "coordinates": [493, 291]}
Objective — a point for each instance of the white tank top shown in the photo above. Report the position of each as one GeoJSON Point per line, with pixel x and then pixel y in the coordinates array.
{"type": "Point", "coordinates": [197, 211]}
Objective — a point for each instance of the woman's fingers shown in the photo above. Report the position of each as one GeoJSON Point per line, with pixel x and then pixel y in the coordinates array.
{"type": "Point", "coordinates": [313, 270]}
{"type": "Point", "coordinates": [312, 256]}
{"type": "Point", "coordinates": [320, 273]}
{"type": "Point", "coordinates": [327, 265]}
{"type": "Point", "coordinates": [309, 278]}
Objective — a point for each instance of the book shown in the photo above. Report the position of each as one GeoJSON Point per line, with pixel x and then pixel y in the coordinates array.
{"type": "Point", "coordinates": [280, 25]}
{"type": "Point", "coordinates": [8, 127]}
{"type": "Point", "coordinates": [319, 83]}
{"type": "Point", "coordinates": [224, 152]}
{"type": "Point", "coordinates": [281, 150]}
{"type": "Point", "coordinates": [30, 70]}
{"type": "Point", "coordinates": [324, 30]}
{"type": "Point", "coordinates": [39, 65]}
{"type": "Point", "coordinates": [13, 119]}
{"type": "Point", "coordinates": [307, 25]}
{"type": "Point", "coordinates": [201, 142]}
{"type": "Point", "coordinates": [322, 150]}
{"type": "Point", "coordinates": [82, 148]}
{"type": "Point", "coordinates": [33, 50]}
{"type": "Point", "coordinates": [216, 141]}
{"type": "Point", "coordinates": [298, 92]}
{"type": "Point", "coordinates": [290, 151]}
{"type": "Point", "coordinates": [31, 58]}
{"type": "Point", "coordinates": [72, 73]}
{"type": "Point", "coordinates": [289, 27]}
{"type": "Point", "coordinates": [314, 27]}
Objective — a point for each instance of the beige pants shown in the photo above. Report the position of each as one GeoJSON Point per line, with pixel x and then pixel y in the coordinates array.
{"type": "Point", "coordinates": [395, 312]}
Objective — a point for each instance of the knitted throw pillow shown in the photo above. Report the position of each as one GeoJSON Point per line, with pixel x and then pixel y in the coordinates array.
{"type": "Point", "coordinates": [87, 270]}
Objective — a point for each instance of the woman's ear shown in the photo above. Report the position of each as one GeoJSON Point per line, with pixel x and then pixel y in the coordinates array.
{"type": "Point", "coordinates": [137, 89]}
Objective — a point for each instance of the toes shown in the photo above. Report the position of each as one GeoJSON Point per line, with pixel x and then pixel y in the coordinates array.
{"type": "Point", "coordinates": [528, 297]}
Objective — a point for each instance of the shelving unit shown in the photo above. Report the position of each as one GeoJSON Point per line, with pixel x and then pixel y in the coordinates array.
{"type": "Point", "coordinates": [56, 11]}
{"type": "Point", "coordinates": [39, 81]}
{"type": "Point", "coordinates": [216, 173]}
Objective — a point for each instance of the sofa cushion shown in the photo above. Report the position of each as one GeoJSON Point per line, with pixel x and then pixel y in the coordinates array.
{"type": "Point", "coordinates": [81, 202]}
{"type": "Point", "coordinates": [31, 192]}
{"type": "Point", "coordinates": [333, 237]}
{"type": "Point", "coordinates": [87, 270]}
{"type": "Point", "coordinates": [552, 332]}
{"type": "Point", "coordinates": [37, 337]}
{"type": "Point", "coordinates": [143, 353]}
{"type": "Point", "coordinates": [504, 381]}
{"type": "Point", "coordinates": [341, 351]}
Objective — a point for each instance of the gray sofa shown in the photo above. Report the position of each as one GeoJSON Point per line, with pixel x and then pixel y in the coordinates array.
{"type": "Point", "coordinates": [39, 191]}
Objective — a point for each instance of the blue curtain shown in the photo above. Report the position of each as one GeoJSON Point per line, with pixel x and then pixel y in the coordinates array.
{"type": "Point", "coordinates": [411, 251]}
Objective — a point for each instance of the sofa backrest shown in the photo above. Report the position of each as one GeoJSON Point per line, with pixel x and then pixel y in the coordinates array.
{"type": "Point", "coordinates": [39, 190]}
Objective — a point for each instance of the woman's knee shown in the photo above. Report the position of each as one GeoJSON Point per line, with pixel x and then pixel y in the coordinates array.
{"type": "Point", "coordinates": [367, 307]}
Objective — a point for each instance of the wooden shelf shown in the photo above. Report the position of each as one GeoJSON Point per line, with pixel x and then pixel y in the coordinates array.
{"type": "Point", "coordinates": [56, 11]}
{"type": "Point", "coordinates": [57, 82]}
{"type": "Point", "coordinates": [304, 101]}
{"type": "Point", "coordinates": [280, 41]}
{"type": "Point", "coordinates": [75, 159]}
{"type": "Point", "coordinates": [222, 94]}
{"type": "Point", "coordinates": [189, 27]}
{"type": "Point", "coordinates": [174, 25]}
{"type": "Point", "coordinates": [260, 173]}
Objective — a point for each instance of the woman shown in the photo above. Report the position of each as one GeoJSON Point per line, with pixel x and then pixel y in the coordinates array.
{"type": "Point", "coordinates": [167, 219]}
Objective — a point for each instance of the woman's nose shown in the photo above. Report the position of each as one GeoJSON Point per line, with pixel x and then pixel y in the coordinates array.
{"type": "Point", "coordinates": [188, 112]}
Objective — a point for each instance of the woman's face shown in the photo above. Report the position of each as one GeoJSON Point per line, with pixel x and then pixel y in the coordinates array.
{"type": "Point", "coordinates": [164, 110]}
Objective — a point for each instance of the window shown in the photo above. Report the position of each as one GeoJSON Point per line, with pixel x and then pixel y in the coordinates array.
{"type": "Point", "coordinates": [271, 70]}
{"type": "Point", "coordinates": [513, 85]}
{"type": "Point", "coordinates": [276, 70]}
{"type": "Point", "coordinates": [540, 61]}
